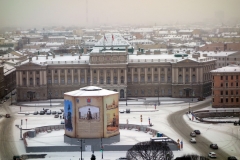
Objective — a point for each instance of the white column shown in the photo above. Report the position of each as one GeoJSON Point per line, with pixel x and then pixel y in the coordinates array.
{"type": "Point", "coordinates": [98, 76]}
{"type": "Point", "coordinates": [65, 76]}
{"type": "Point", "coordinates": [34, 78]}
{"type": "Point", "coordinates": [79, 77]}
{"type": "Point", "coordinates": [184, 75]}
{"type": "Point", "coordinates": [17, 80]}
{"type": "Point", "coordinates": [85, 75]}
{"type": "Point", "coordinates": [145, 75]}
{"type": "Point", "coordinates": [20, 72]}
{"type": "Point", "coordinates": [197, 75]}
{"type": "Point", "coordinates": [59, 77]}
{"type": "Point", "coordinates": [152, 75]}
{"type": "Point", "coordinates": [201, 74]}
{"type": "Point", "coordinates": [190, 75]}
{"type": "Point", "coordinates": [173, 72]}
{"type": "Point", "coordinates": [27, 79]}
{"type": "Point", "coordinates": [118, 76]}
{"type": "Point", "coordinates": [125, 76]}
{"type": "Point", "coordinates": [165, 69]}
{"type": "Point", "coordinates": [111, 71]}
{"type": "Point", "coordinates": [139, 75]}
{"type": "Point", "coordinates": [132, 75]}
{"type": "Point", "coordinates": [159, 75]}
{"type": "Point", "coordinates": [91, 77]}
{"type": "Point", "coordinates": [52, 76]}
{"type": "Point", "coordinates": [177, 75]}
{"type": "Point", "coordinates": [72, 76]}
{"type": "Point", "coordinates": [105, 76]}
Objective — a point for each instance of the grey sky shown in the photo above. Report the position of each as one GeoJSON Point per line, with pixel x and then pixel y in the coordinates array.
{"type": "Point", "coordinates": [36, 13]}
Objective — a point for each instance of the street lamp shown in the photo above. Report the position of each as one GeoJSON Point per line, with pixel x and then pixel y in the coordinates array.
{"type": "Point", "coordinates": [102, 148]}
{"type": "Point", "coordinates": [82, 141]}
{"type": "Point", "coordinates": [50, 93]}
{"type": "Point", "coordinates": [126, 96]}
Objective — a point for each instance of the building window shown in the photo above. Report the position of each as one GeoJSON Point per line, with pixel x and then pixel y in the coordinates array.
{"type": "Point", "coordinates": [231, 84]}
{"type": "Point", "coordinates": [108, 80]}
{"type": "Point", "coordinates": [155, 78]}
{"type": "Point", "coordinates": [62, 81]}
{"type": "Point", "coordinates": [142, 78]}
{"type": "Point", "coordinates": [75, 70]}
{"type": "Point", "coordinates": [231, 92]}
{"type": "Point", "coordinates": [75, 80]}
{"type": "Point", "coordinates": [226, 77]}
{"type": "Point", "coordinates": [180, 69]}
{"type": "Point", "coordinates": [121, 71]}
{"type": "Point", "coordinates": [49, 81]}
{"type": "Point", "coordinates": [37, 81]}
{"type": "Point", "coordinates": [231, 77]}
{"type": "Point", "coordinates": [231, 99]}
{"type": "Point", "coordinates": [101, 80]}
{"type": "Point", "coordinates": [37, 72]}
{"type": "Point", "coordinates": [55, 80]}
{"type": "Point", "coordinates": [135, 69]}
{"type": "Point", "coordinates": [48, 71]}
{"type": "Point", "coordinates": [129, 79]}
{"type": "Point", "coordinates": [236, 83]}
{"type": "Point", "coordinates": [31, 81]}
{"type": "Point", "coordinates": [213, 77]}
{"type": "Point", "coordinates": [226, 100]}
{"type": "Point", "coordinates": [148, 69]}
{"type": "Point", "coordinates": [236, 92]}
{"type": "Point", "coordinates": [55, 71]}
{"type": "Point", "coordinates": [221, 100]}
{"type": "Point", "coordinates": [115, 80]}
{"type": "Point", "coordinates": [193, 69]}
{"type": "Point", "coordinates": [155, 69]}
{"type": "Point", "coordinates": [221, 92]}
{"type": "Point", "coordinates": [94, 80]}
{"type": "Point", "coordinates": [221, 84]}
{"type": "Point", "coordinates": [226, 92]}
{"type": "Point", "coordinates": [221, 77]}
{"type": "Point", "coordinates": [236, 99]}
{"type": "Point", "coordinates": [68, 70]}
{"type": "Point", "coordinates": [94, 71]}
{"type": "Point", "coordinates": [122, 79]}
{"type": "Point", "coordinates": [23, 72]}
{"type": "Point", "coordinates": [128, 69]}
{"type": "Point", "coordinates": [226, 84]}
{"type": "Point", "coordinates": [213, 100]}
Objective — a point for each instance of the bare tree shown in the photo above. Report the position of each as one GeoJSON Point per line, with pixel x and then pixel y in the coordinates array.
{"type": "Point", "coordinates": [150, 150]}
{"type": "Point", "coordinates": [192, 157]}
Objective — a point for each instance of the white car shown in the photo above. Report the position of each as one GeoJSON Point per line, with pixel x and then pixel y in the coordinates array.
{"type": "Point", "coordinates": [212, 155]}
{"type": "Point", "coordinates": [193, 134]}
{"type": "Point", "coordinates": [193, 140]}
{"type": "Point", "coordinates": [121, 111]}
{"type": "Point", "coordinates": [62, 122]}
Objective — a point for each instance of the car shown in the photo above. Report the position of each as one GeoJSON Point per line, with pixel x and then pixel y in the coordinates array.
{"type": "Point", "coordinates": [62, 122]}
{"type": "Point", "coordinates": [232, 158]}
{"type": "Point", "coordinates": [45, 110]}
{"type": "Point", "coordinates": [122, 158]}
{"type": "Point", "coordinates": [35, 113]}
{"type": "Point", "coordinates": [54, 112]}
{"type": "Point", "coordinates": [41, 112]}
{"type": "Point", "coordinates": [6, 97]}
{"type": "Point", "coordinates": [48, 112]}
{"type": "Point", "coordinates": [7, 116]}
{"type": "Point", "coordinates": [62, 110]}
{"type": "Point", "coordinates": [212, 155]}
{"type": "Point", "coordinates": [197, 131]}
{"type": "Point", "coordinates": [13, 93]}
{"type": "Point", "coordinates": [56, 116]}
{"type": "Point", "coordinates": [26, 113]}
{"type": "Point", "coordinates": [59, 112]}
{"type": "Point", "coordinates": [121, 111]}
{"type": "Point", "coordinates": [214, 146]}
{"type": "Point", "coordinates": [193, 140]}
{"type": "Point", "coordinates": [193, 134]}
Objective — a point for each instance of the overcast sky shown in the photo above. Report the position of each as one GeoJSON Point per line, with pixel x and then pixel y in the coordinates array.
{"type": "Point", "coordinates": [36, 13]}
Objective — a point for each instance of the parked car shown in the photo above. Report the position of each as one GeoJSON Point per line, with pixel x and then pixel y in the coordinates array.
{"type": "Point", "coordinates": [193, 140]}
{"type": "Point", "coordinates": [212, 155]}
{"type": "Point", "coordinates": [59, 112]}
{"type": "Point", "coordinates": [35, 113]}
{"type": "Point", "coordinates": [54, 112]}
{"type": "Point", "coordinates": [7, 116]}
{"type": "Point", "coordinates": [232, 158]}
{"type": "Point", "coordinates": [62, 122]}
{"type": "Point", "coordinates": [121, 111]}
{"type": "Point", "coordinates": [48, 112]}
{"type": "Point", "coordinates": [56, 116]}
{"type": "Point", "coordinates": [214, 146]}
{"type": "Point", "coordinates": [62, 110]}
{"type": "Point", "coordinates": [45, 110]}
{"type": "Point", "coordinates": [41, 112]}
{"type": "Point", "coordinates": [26, 113]}
{"type": "Point", "coordinates": [193, 134]}
{"type": "Point", "coordinates": [122, 158]}
{"type": "Point", "coordinates": [197, 131]}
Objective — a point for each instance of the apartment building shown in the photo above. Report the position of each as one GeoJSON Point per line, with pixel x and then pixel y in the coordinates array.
{"type": "Point", "coordinates": [226, 87]}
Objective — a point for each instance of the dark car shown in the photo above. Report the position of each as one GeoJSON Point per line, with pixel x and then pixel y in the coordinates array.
{"type": "Point", "coordinates": [45, 110]}
{"type": "Point", "coordinates": [214, 146]}
{"type": "Point", "coordinates": [197, 131]}
{"type": "Point", "coordinates": [35, 113]}
{"type": "Point", "coordinates": [232, 158]}
{"type": "Point", "coordinates": [59, 112]}
{"type": "Point", "coordinates": [41, 112]}
{"type": "Point", "coordinates": [56, 116]}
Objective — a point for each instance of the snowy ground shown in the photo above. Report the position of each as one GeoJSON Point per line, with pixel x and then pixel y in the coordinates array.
{"type": "Point", "coordinates": [228, 136]}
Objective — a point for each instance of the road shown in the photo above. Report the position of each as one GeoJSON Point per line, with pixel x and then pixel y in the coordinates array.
{"type": "Point", "coordinates": [7, 144]}
{"type": "Point", "coordinates": [183, 129]}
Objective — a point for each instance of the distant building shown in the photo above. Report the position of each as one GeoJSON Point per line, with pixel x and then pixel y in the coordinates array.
{"type": "Point", "coordinates": [226, 87]}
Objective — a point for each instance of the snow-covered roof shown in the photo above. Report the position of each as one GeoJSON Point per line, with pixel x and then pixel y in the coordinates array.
{"type": "Point", "coordinates": [90, 91]}
{"type": "Point", "coordinates": [112, 39]}
{"type": "Point", "coordinates": [230, 68]}
{"type": "Point", "coordinates": [217, 54]}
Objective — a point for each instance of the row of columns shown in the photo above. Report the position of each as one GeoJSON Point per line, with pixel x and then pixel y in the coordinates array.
{"type": "Point", "coordinates": [199, 75]}
{"type": "Point", "coordinates": [42, 78]}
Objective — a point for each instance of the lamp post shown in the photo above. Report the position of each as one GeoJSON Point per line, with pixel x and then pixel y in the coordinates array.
{"type": "Point", "coordinates": [50, 93]}
{"type": "Point", "coordinates": [126, 96]}
{"type": "Point", "coordinates": [82, 141]}
{"type": "Point", "coordinates": [102, 148]}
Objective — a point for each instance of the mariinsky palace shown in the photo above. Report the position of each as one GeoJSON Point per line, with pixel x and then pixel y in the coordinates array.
{"type": "Point", "coordinates": [113, 64]}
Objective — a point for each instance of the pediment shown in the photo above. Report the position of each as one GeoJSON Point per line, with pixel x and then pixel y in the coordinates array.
{"type": "Point", "coordinates": [30, 65]}
{"type": "Point", "coordinates": [187, 61]}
